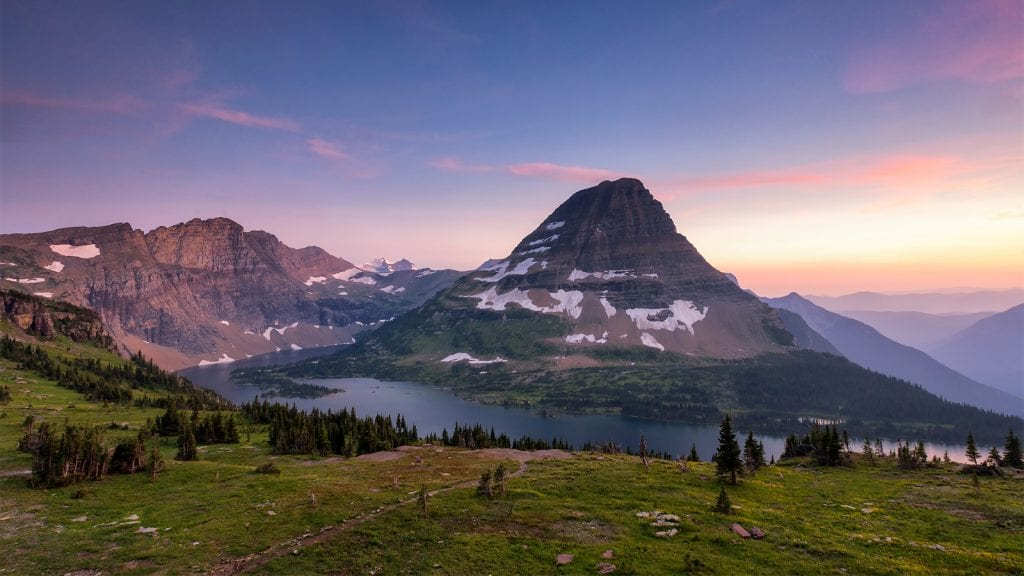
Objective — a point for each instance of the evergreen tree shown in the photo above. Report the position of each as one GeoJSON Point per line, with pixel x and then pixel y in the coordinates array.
{"type": "Point", "coordinates": [972, 449]}
{"type": "Point", "coordinates": [753, 453]}
{"type": "Point", "coordinates": [869, 452]}
{"type": "Point", "coordinates": [994, 457]}
{"type": "Point", "coordinates": [1012, 455]}
{"type": "Point", "coordinates": [643, 452]}
{"type": "Point", "coordinates": [722, 504]}
{"type": "Point", "coordinates": [423, 501]}
{"type": "Point", "coordinates": [187, 449]}
{"type": "Point", "coordinates": [728, 462]}
{"type": "Point", "coordinates": [484, 488]}
{"type": "Point", "coordinates": [156, 462]}
{"type": "Point", "coordinates": [693, 457]}
{"type": "Point", "coordinates": [499, 480]}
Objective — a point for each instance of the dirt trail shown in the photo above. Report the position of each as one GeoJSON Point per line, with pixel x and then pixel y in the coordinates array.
{"type": "Point", "coordinates": [256, 559]}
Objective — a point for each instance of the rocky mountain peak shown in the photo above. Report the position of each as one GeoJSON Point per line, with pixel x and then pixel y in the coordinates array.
{"type": "Point", "coordinates": [609, 259]}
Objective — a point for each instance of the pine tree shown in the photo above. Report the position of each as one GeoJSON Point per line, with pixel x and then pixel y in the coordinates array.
{"type": "Point", "coordinates": [869, 452]}
{"type": "Point", "coordinates": [693, 457]}
{"type": "Point", "coordinates": [722, 504]}
{"type": "Point", "coordinates": [972, 449]}
{"type": "Point", "coordinates": [187, 445]}
{"type": "Point", "coordinates": [499, 479]}
{"type": "Point", "coordinates": [753, 453]}
{"type": "Point", "coordinates": [156, 462]}
{"type": "Point", "coordinates": [728, 462]}
{"type": "Point", "coordinates": [994, 457]}
{"type": "Point", "coordinates": [423, 501]}
{"type": "Point", "coordinates": [1012, 455]}
{"type": "Point", "coordinates": [484, 488]}
{"type": "Point", "coordinates": [643, 452]}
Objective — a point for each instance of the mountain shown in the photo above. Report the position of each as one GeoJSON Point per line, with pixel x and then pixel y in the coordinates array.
{"type": "Point", "coordinates": [610, 265]}
{"type": "Point", "coordinates": [915, 329]}
{"type": "Point", "coordinates": [384, 266]}
{"type": "Point", "coordinates": [962, 302]}
{"type": "Point", "coordinates": [990, 350]}
{"type": "Point", "coordinates": [863, 345]}
{"type": "Point", "coordinates": [804, 336]}
{"type": "Point", "coordinates": [207, 290]}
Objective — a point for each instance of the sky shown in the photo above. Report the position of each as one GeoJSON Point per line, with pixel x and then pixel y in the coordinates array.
{"type": "Point", "coordinates": [818, 147]}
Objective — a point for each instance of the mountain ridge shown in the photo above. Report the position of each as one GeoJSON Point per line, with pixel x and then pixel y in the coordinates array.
{"type": "Point", "coordinates": [207, 290]}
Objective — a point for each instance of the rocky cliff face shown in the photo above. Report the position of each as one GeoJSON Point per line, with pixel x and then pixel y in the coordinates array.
{"type": "Point", "coordinates": [207, 290]}
{"type": "Point", "coordinates": [610, 262]}
{"type": "Point", "coordinates": [46, 320]}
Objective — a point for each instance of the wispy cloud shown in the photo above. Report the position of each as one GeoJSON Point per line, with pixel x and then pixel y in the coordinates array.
{"type": "Point", "coordinates": [453, 164]}
{"type": "Point", "coordinates": [974, 42]}
{"type": "Point", "coordinates": [547, 170]}
{"type": "Point", "coordinates": [542, 170]}
{"type": "Point", "coordinates": [327, 149]}
{"type": "Point", "coordinates": [224, 114]}
{"type": "Point", "coordinates": [119, 104]}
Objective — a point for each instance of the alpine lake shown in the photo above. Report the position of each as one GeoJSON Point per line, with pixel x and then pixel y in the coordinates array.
{"type": "Point", "coordinates": [432, 409]}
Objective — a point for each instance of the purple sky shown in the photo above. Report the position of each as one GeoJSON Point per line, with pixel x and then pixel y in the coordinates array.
{"type": "Point", "coordinates": [822, 147]}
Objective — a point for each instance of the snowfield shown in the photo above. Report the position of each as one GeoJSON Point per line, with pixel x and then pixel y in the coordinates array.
{"type": "Point", "coordinates": [555, 225]}
{"type": "Point", "coordinates": [578, 338]}
{"type": "Point", "coordinates": [682, 314]}
{"type": "Point", "coordinates": [346, 274]}
{"type": "Point", "coordinates": [502, 269]}
{"type": "Point", "coordinates": [607, 275]}
{"type": "Point", "coordinates": [27, 280]}
{"type": "Point", "coordinates": [85, 251]}
{"type": "Point", "coordinates": [315, 280]}
{"type": "Point", "coordinates": [568, 302]}
{"type": "Point", "coordinates": [225, 359]}
{"type": "Point", "coordinates": [651, 341]}
{"type": "Point", "coordinates": [43, 294]}
{"type": "Point", "coordinates": [464, 357]}
{"type": "Point", "coordinates": [55, 266]}
{"type": "Point", "coordinates": [551, 238]}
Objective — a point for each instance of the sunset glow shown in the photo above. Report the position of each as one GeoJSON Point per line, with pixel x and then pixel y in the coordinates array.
{"type": "Point", "coordinates": [820, 148]}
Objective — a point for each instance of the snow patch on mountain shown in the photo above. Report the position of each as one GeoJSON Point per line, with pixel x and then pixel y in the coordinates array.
{"type": "Point", "coordinates": [568, 302]}
{"type": "Point", "coordinates": [555, 225]}
{"type": "Point", "coordinates": [225, 322]}
{"type": "Point", "coordinates": [55, 266]}
{"type": "Point", "coordinates": [365, 280]}
{"type": "Point", "coordinates": [84, 251]}
{"type": "Point", "coordinates": [540, 250]}
{"type": "Point", "coordinates": [393, 290]}
{"type": "Point", "coordinates": [383, 266]}
{"type": "Point", "coordinates": [27, 280]}
{"type": "Point", "coordinates": [681, 314]}
{"type": "Point", "coordinates": [43, 294]}
{"type": "Point", "coordinates": [426, 272]}
{"type": "Point", "coordinates": [269, 331]}
{"type": "Point", "coordinates": [346, 274]}
{"type": "Point", "coordinates": [609, 310]}
{"type": "Point", "coordinates": [607, 275]}
{"type": "Point", "coordinates": [225, 359]}
{"type": "Point", "coordinates": [551, 238]}
{"type": "Point", "coordinates": [578, 338]}
{"type": "Point", "coordinates": [648, 340]}
{"type": "Point", "coordinates": [315, 280]}
{"type": "Point", "coordinates": [464, 357]}
{"type": "Point", "coordinates": [501, 269]}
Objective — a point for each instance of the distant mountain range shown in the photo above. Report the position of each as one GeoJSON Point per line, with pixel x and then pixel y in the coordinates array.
{"type": "Point", "coordinates": [991, 350]}
{"type": "Point", "coordinates": [866, 346]}
{"type": "Point", "coordinates": [967, 302]}
{"type": "Point", "coordinates": [916, 329]}
{"type": "Point", "coordinates": [604, 306]}
{"type": "Point", "coordinates": [209, 291]}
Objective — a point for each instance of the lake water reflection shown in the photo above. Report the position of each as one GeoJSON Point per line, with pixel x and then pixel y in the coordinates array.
{"type": "Point", "coordinates": [432, 409]}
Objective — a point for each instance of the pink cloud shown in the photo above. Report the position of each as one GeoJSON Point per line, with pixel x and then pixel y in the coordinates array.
{"type": "Point", "coordinates": [121, 104]}
{"type": "Point", "coordinates": [547, 170]}
{"type": "Point", "coordinates": [888, 171]}
{"type": "Point", "coordinates": [453, 164]}
{"type": "Point", "coordinates": [326, 149]}
{"type": "Point", "coordinates": [976, 42]}
{"type": "Point", "coordinates": [230, 116]}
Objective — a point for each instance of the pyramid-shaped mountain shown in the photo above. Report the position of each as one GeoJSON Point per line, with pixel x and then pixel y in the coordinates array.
{"type": "Point", "coordinates": [610, 263]}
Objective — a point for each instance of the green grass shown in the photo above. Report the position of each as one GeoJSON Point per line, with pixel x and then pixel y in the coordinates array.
{"type": "Point", "coordinates": [217, 509]}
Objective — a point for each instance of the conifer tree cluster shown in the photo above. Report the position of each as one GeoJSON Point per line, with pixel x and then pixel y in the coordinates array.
{"type": "Point", "coordinates": [476, 437]}
{"type": "Point", "coordinates": [492, 484]}
{"type": "Point", "coordinates": [293, 431]}
{"type": "Point", "coordinates": [78, 454]}
{"type": "Point", "coordinates": [823, 443]}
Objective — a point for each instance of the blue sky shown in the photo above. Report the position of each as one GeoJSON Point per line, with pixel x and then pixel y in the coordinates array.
{"type": "Point", "coordinates": [820, 147]}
